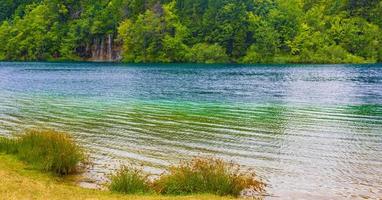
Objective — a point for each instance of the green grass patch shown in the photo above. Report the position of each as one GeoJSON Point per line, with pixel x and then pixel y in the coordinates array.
{"type": "Point", "coordinates": [129, 180]}
{"type": "Point", "coordinates": [198, 176]}
{"type": "Point", "coordinates": [57, 152]}
{"type": "Point", "coordinates": [48, 150]}
{"type": "Point", "coordinates": [207, 175]}
{"type": "Point", "coordinates": [8, 145]}
{"type": "Point", "coordinates": [19, 181]}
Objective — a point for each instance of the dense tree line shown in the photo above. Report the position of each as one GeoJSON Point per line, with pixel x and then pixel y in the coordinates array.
{"type": "Point", "coordinates": [203, 31]}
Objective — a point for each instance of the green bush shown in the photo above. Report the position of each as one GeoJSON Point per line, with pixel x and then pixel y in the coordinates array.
{"type": "Point", "coordinates": [207, 53]}
{"type": "Point", "coordinates": [206, 175]}
{"type": "Point", "coordinates": [48, 150]}
{"type": "Point", "coordinates": [129, 181]}
{"type": "Point", "coordinates": [252, 56]}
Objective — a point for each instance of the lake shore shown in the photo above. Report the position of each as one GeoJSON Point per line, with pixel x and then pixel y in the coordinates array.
{"type": "Point", "coordinates": [276, 120]}
{"type": "Point", "coordinates": [19, 181]}
{"type": "Point", "coordinates": [58, 154]}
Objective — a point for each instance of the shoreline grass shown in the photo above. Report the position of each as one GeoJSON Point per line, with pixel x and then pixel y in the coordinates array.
{"type": "Point", "coordinates": [47, 150]}
{"type": "Point", "coordinates": [198, 176]}
{"type": "Point", "coordinates": [57, 152]}
{"type": "Point", "coordinates": [130, 180]}
{"type": "Point", "coordinates": [207, 175]}
{"type": "Point", "coordinates": [19, 181]}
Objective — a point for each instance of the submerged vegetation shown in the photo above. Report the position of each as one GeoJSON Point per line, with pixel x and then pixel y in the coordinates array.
{"type": "Point", "coordinates": [47, 150]}
{"type": "Point", "coordinates": [203, 31]}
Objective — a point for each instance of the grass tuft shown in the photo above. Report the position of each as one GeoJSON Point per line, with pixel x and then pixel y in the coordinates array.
{"type": "Point", "coordinates": [207, 175]}
{"type": "Point", "coordinates": [57, 152]}
{"type": "Point", "coordinates": [48, 150]}
{"type": "Point", "coordinates": [130, 180]}
{"type": "Point", "coordinates": [8, 145]}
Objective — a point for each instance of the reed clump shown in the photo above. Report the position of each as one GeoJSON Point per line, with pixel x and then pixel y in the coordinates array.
{"type": "Point", "coordinates": [7, 145]}
{"type": "Point", "coordinates": [129, 180]}
{"type": "Point", "coordinates": [207, 175]}
{"type": "Point", "coordinates": [198, 176]}
{"type": "Point", "coordinates": [48, 150]}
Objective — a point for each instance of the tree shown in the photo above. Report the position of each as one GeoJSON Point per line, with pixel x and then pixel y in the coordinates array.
{"type": "Point", "coordinates": [155, 36]}
{"type": "Point", "coordinates": [228, 27]}
{"type": "Point", "coordinates": [178, 30]}
{"type": "Point", "coordinates": [34, 37]}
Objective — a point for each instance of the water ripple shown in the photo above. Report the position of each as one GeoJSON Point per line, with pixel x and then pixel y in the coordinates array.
{"type": "Point", "coordinates": [311, 132]}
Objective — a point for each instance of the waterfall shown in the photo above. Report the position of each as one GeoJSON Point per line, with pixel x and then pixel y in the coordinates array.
{"type": "Point", "coordinates": [94, 48]}
{"type": "Point", "coordinates": [87, 49]}
{"type": "Point", "coordinates": [101, 55]}
{"type": "Point", "coordinates": [102, 48]}
{"type": "Point", "coordinates": [110, 52]}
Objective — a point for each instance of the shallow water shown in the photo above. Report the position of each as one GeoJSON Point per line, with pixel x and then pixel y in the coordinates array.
{"type": "Point", "coordinates": [310, 131]}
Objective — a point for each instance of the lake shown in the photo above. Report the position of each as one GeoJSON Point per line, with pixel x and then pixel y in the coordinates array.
{"type": "Point", "coordinates": [309, 131]}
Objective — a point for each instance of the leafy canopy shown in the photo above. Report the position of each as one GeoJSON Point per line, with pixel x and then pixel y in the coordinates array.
{"type": "Point", "coordinates": [203, 31]}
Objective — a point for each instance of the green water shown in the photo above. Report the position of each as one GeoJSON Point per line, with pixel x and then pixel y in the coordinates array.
{"type": "Point", "coordinates": [311, 132]}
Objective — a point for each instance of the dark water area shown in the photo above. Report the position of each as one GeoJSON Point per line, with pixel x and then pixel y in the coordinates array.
{"type": "Point", "coordinates": [310, 131]}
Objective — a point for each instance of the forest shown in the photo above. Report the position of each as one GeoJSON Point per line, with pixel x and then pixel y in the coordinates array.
{"type": "Point", "coordinates": [192, 31]}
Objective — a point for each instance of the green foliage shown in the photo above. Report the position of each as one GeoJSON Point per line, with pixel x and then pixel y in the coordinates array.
{"type": "Point", "coordinates": [33, 37]}
{"type": "Point", "coordinates": [253, 57]}
{"type": "Point", "coordinates": [155, 36]}
{"type": "Point", "coordinates": [262, 31]}
{"type": "Point", "coordinates": [46, 149]}
{"type": "Point", "coordinates": [129, 180]}
{"type": "Point", "coordinates": [266, 40]}
{"type": "Point", "coordinates": [228, 27]}
{"type": "Point", "coordinates": [205, 53]}
{"type": "Point", "coordinates": [206, 175]}
{"type": "Point", "coordinates": [13, 7]}
{"type": "Point", "coordinates": [314, 47]}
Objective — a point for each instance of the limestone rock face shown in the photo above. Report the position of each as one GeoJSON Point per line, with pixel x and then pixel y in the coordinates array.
{"type": "Point", "coordinates": [104, 49]}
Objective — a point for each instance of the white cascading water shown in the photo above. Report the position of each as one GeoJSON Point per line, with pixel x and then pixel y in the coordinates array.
{"type": "Point", "coordinates": [110, 52]}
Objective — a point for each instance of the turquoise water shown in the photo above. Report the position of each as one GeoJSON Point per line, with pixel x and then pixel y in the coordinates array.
{"type": "Point", "coordinates": [310, 131]}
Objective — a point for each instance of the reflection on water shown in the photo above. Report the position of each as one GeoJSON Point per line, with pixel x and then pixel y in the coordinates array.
{"type": "Point", "coordinates": [309, 131]}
